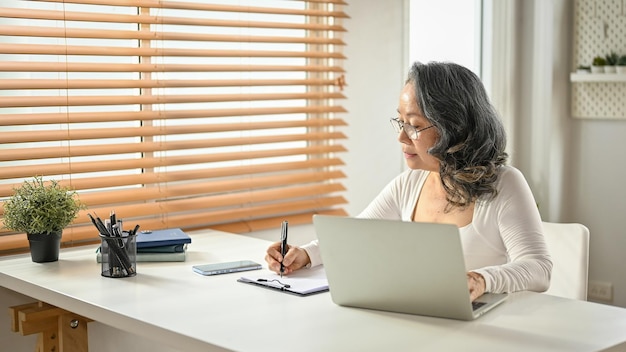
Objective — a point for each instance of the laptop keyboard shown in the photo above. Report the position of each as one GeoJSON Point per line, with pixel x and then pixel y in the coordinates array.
{"type": "Point", "coordinates": [476, 305]}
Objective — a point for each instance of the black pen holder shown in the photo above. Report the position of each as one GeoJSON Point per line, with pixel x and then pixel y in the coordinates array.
{"type": "Point", "coordinates": [119, 255]}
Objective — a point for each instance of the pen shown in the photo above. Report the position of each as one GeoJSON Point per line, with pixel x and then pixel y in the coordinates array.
{"type": "Point", "coordinates": [103, 229]}
{"type": "Point", "coordinates": [99, 225]}
{"type": "Point", "coordinates": [120, 228]}
{"type": "Point", "coordinates": [283, 244]}
{"type": "Point", "coordinates": [133, 232]}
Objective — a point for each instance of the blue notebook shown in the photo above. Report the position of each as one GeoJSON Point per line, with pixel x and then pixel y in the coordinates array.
{"type": "Point", "coordinates": [173, 248]}
{"type": "Point", "coordinates": [166, 237]}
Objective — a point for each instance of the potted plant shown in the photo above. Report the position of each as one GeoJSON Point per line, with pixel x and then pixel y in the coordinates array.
{"type": "Point", "coordinates": [597, 65]}
{"type": "Point", "coordinates": [42, 210]}
{"type": "Point", "coordinates": [621, 64]}
{"type": "Point", "coordinates": [611, 62]}
{"type": "Point", "coordinates": [583, 69]}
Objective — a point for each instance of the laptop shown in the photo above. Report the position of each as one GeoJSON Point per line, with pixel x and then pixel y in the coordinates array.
{"type": "Point", "coordinates": [397, 266]}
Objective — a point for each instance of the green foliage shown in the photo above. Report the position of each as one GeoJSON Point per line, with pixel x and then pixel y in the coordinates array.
{"type": "Point", "coordinates": [598, 61]}
{"type": "Point", "coordinates": [41, 207]}
{"type": "Point", "coordinates": [611, 59]}
{"type": "Point", "coordinates": [622, 60]}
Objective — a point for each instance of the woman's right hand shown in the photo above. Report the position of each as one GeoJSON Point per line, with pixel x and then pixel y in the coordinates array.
{"type": "Point", "coordinates": [295, 259]}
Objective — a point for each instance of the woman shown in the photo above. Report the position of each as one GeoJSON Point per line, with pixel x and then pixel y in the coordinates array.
{"type": "Point", "coordinates": [453, 143]}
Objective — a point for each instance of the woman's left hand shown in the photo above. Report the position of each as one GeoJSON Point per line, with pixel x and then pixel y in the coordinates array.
{"type": "Point", "coordinates": [476, 285]}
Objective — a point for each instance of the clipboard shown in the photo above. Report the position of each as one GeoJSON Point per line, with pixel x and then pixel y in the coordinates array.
{"type": "Point", "coordinates": [300, 283]}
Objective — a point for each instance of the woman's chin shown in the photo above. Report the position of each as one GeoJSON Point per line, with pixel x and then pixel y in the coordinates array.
{"type": "Point", "coordinates": [414, 165]}
{"type": "Point", "coordinates": [417, 164]}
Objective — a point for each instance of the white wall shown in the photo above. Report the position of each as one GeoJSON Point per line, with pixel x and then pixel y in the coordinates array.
{"type": "Point", "coordinates": [9, 340]}
{"type": "Point", "coordinates": [574, 166]}
{"type": "Point", "coordinates": [596, 195]}
{"type": "Point", "coordinates": [376, 69]}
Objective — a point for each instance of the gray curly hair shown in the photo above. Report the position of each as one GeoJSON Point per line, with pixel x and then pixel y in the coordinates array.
{"type": "Point", "coordinates": [472, 138]}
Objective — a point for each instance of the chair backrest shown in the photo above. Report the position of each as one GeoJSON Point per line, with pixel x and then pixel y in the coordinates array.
{"type": "Point", "coordinates": [569, 247]}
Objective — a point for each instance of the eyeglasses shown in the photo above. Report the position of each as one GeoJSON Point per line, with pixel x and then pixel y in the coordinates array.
{"type": "Point", "coordinates": [411, 131]}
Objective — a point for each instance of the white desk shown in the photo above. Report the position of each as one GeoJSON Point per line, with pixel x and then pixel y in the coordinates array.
{"type": "Point", "coordinates": [168, 303]}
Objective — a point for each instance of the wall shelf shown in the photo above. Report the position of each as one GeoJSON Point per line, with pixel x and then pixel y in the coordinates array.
{"type": "Point", "coordinates": [599, 28]}
{"type": "Point", "coordinates": [598, 77]}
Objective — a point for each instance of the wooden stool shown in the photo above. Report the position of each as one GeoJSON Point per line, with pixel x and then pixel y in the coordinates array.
{"type": "Point", "coordinates": [58, 329]}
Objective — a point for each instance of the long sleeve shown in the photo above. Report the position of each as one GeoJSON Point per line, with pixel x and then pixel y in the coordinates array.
{"type": "Point", "coordinates": [512, 222]}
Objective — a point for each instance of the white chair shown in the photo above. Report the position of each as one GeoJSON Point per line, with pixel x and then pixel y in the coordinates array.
{"type": "Point", "coordinates": [569, 247]}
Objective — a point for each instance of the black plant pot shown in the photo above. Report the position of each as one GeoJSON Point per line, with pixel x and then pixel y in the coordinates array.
{"type": "Point", "coordinates": [44, 247]}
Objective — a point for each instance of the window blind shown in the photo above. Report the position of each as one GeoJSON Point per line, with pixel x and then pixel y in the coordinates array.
{"type": "Point", "coordinates": [191, 114]}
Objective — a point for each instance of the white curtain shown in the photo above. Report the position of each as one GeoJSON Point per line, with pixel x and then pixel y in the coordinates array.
{"type": "Point", "coordinates": [526, 71]}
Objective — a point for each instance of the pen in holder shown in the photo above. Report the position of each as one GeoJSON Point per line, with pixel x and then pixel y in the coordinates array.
{"type": "Point", "coordinates": [118, 248]}
{"type": "Point", "coordinates": [119, 255]}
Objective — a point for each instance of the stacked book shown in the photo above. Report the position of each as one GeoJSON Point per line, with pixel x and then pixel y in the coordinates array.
{"type": "Point", "coordinates": [168, 245]}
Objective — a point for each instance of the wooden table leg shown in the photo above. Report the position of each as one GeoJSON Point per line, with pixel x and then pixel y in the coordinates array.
{"type": "Point", "coordinates": [58, 329]}
{"type": "Point", "coordinates": [73, 333]}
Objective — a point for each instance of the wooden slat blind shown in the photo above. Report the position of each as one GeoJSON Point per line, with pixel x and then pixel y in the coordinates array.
{"type": "Point", "coordinates": [190, 114]}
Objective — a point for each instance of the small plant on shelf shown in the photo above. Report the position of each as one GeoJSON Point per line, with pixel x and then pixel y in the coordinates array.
{"type": "Point", "coordinates": [621, 64]}
{"type": "Point", "coordinates": [611, 62]}
{"type": "Point", "coordinates": [597, 65]}
{"type": "Point", "coordinates": [583, 69]}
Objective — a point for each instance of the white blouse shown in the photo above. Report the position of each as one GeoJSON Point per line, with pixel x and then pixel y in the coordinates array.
{"type": "Point", "coordinates": [504, 242]}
